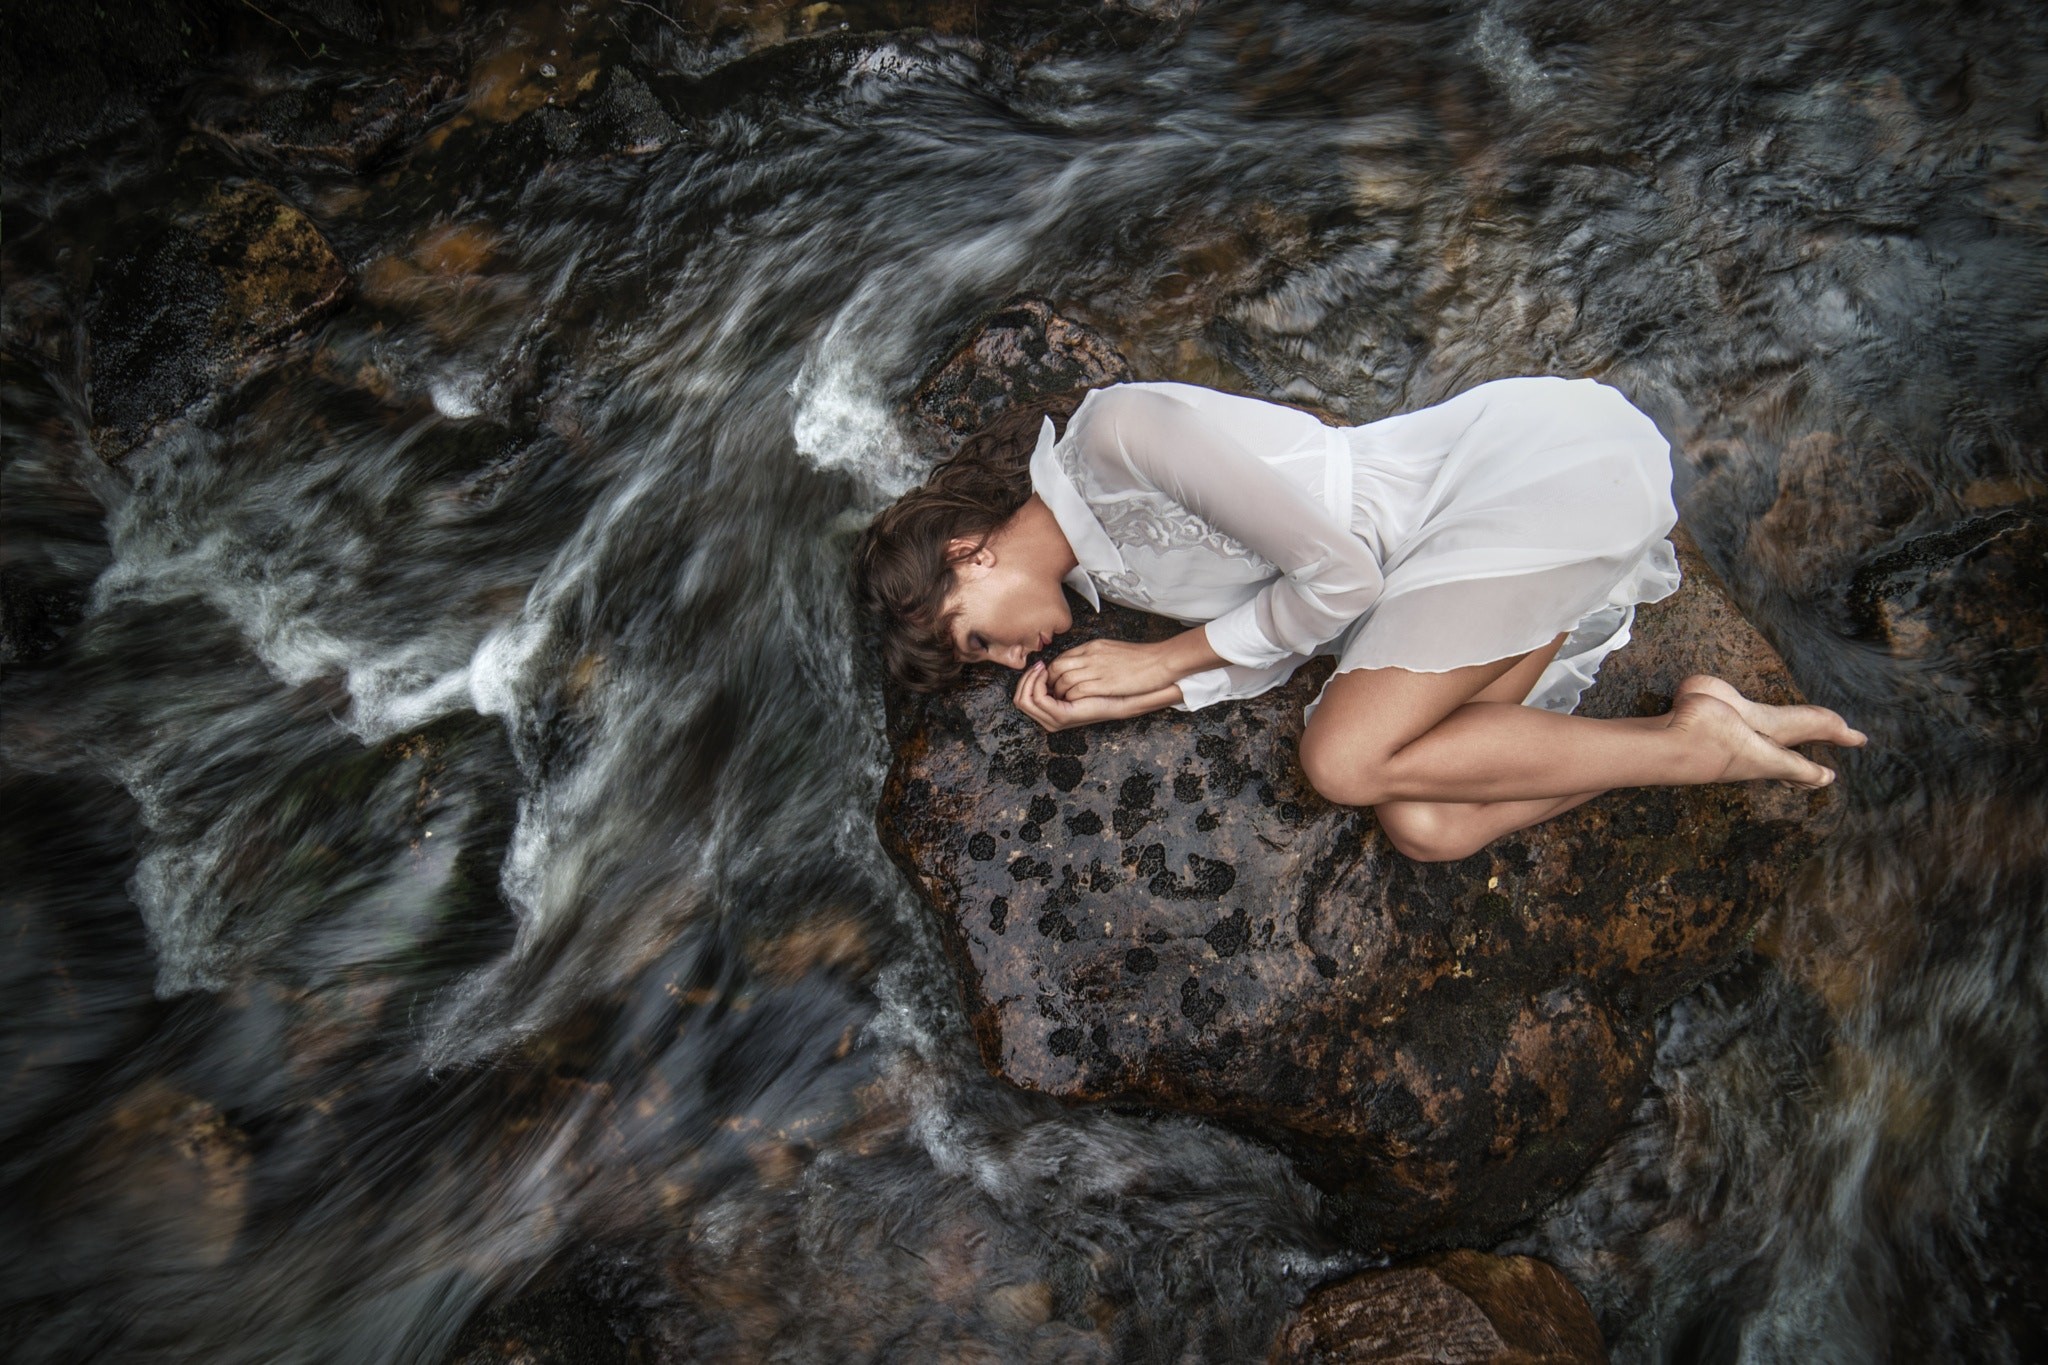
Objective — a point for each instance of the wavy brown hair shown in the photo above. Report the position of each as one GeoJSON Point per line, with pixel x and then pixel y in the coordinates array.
{"type": "Point", "coordinates": [901, 570]}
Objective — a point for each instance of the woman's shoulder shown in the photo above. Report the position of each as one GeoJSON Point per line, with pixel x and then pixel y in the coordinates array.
{"type": "Point", "coordinates": [1139, 394]}
{"type": "Point", "coordinates": [1258, 424]}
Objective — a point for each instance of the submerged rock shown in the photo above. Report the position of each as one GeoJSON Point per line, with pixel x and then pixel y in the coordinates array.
{"type": "Point", "coordinates": [1163, 912]}
{"type": "Point", "coordinates": [171, 318]}
{"type": "Point", "coordinates": [342, 122]}
{"type": "Point", "coordinates": [1966, 602]}
{"type": "Point", "coordinates": [623, 117]}
{"type": "Point", "coordinates": [1459, 1308]}
{"type": "Point", "coordinates": [167, 1168]}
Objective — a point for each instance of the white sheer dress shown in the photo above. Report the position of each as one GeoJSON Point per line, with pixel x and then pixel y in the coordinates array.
{"type": "Point", "coordinates": [1477, 529]}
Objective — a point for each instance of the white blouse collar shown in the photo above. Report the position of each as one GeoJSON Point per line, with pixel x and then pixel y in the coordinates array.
{"type": "Point", "coordinates": [1092, 547]}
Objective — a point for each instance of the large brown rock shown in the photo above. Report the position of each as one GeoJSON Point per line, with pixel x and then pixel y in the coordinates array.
{"type": "Point", "coordinates": [1459, 1308]}
{"type": "Point", "coordinates": [1162, 912]}
{"type": "Point", "coordinates": [165, 1168]}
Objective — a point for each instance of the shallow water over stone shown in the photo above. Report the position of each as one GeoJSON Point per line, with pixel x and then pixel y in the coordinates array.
{"type": "Point", "coordinates": [441, 760]}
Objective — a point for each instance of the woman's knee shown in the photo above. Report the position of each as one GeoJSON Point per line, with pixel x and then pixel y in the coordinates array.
{"type": "Point", "coordinates": [1426, 832]}
{"type": "Point", "coordinates": [1337, 771]}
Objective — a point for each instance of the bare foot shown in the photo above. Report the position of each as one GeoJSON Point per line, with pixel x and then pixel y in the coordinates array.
{"type": "Point", "coordinates": [1742, 753]}
{"type": "Point", "coordinates": [1786, 725]}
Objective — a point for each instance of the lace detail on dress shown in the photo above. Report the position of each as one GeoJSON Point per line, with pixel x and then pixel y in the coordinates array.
{"type": "Point", "coordinates": [1125, 589]}
{"type": "Point", "coordinates": [1159, 525]}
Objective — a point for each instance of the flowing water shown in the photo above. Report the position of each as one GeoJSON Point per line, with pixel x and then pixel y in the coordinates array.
{"type": "Point", "coordinates": [438, 829]}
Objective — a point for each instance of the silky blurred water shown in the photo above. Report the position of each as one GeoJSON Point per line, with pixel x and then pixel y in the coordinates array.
{"type": "Point", "coordinates": [438, 830]}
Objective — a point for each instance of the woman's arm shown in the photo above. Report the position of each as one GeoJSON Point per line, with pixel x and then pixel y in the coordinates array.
{"type": "Point", "coordinates": [1328, 575]}
{"type": "Point", "coordinates": [1234, 682]}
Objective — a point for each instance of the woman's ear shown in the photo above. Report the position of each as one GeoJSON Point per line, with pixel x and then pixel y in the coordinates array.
{"type": "Point", "coordinates": [960, 552]}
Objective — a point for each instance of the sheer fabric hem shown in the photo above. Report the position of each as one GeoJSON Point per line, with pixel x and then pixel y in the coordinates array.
{"type": "Point", "coordinates": [1592, 630]}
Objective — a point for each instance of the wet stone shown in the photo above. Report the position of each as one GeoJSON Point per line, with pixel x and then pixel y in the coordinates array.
{"type": "Point", "coordinates": [1445, 1047]}
{"type": "Point", "coordinates": [1459, 1308]}
{"type": "Point", "coordinates": [572, 1320]}
{"type": "Point", "coordinates": [535, 125]}
{"type": "Point", "coordinates": [1024, 352]}
{"type": "Point", "coordinates": [1966, 602]}
{"type": "Point", "coordinates": [342, 122]}
{"type": "Point", "coordinates": [1472, 1033]}
{"type": "Point", "coordinates": [626, 117]}
{"type": "Point", "coordinates": [177, 315]}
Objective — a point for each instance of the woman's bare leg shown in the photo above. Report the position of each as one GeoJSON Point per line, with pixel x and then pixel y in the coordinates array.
{"type": "Point", "coordinates": [1441, 831]}
{"type": "Point", "coordinates": [1444, 831]}
{"type": "Point", "coordinates": [1390, 737]}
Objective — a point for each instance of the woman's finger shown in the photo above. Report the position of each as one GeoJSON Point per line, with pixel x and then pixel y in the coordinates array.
{"type": "Point", "coordinates": [1021, 697]}
{"type": "Point", "coordinates": [1032, 698]}
{"type": "Point", "coordinates": [1065, 681]}
{"type": "Point", "coordinates": [1058, 713]}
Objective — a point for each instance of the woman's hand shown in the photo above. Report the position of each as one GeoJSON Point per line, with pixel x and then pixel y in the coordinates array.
{"type": "Point", "coordinates": [1120, 668]}
{"type": "Point", "coordinates": [1035, 699]}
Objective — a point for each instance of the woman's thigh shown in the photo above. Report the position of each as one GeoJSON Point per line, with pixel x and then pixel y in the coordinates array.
{"type": "Point", "coordinates": [1519, 681]}
{"type": "Point", "coordinates": [1367, 714]}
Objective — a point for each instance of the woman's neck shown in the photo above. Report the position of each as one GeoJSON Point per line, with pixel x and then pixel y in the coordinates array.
{"type": "Point", "coordinates": [1033, 533]}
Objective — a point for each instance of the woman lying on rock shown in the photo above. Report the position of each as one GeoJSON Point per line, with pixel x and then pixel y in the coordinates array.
{"type": "Point", "coordinates": [1469, 565]}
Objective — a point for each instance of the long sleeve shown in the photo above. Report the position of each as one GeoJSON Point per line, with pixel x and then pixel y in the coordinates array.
{"type": "Point", "coordinates": [1234, 682]}
{"type": "Point", "coordinates": [1329, 576]}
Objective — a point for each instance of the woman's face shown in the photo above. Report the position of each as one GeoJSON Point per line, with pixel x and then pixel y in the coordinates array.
{"type": "Point", "coordinates": [1004, 608]}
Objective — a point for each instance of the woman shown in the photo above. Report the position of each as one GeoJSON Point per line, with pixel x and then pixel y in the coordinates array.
{"type": "Point", "coordinates": [1469, 565]}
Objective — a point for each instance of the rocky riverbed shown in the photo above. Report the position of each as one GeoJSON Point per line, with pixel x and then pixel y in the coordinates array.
{"type": "Point", "coordinates": [440, 766]}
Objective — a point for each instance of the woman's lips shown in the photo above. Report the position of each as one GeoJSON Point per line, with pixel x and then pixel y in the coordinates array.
{"type": "Point", "coordinates": [1044, 640]}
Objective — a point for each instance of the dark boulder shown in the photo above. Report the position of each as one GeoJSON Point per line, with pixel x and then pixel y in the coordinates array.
{"type": "Point", "coordinates": [623, 117]}
{"type": "Point", "coordinates": [1162, 912]}
{"type": "Point", "coordinates": [175, 316]}
{"type": "Point", "coordinates": [1459, 1308]}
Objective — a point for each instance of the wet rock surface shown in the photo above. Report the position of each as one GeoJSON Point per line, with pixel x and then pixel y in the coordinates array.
{"type": "Point", "coordinates": [1965, 602]}
{"type": "Point", "coordinates": [1163, 912]}
{"type": "Point", "coordinates": [335, 122]}
{"type": "Point", "coordinates": [1024, 352]}
{"type": "Point", "coordinates": [566, 1323]}
{"type": "Point", "coordinates": [1457, 1308]}
{"type": "Point", "coordinates": [172, 1168]}
{"type": "Point", "coordinates": [73, 74]}
{"type": "Point", "coordinates": [173, 317]}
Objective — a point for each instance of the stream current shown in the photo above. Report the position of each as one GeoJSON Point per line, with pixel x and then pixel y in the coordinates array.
{"type": "Point", "coordinates": [439, 850]}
